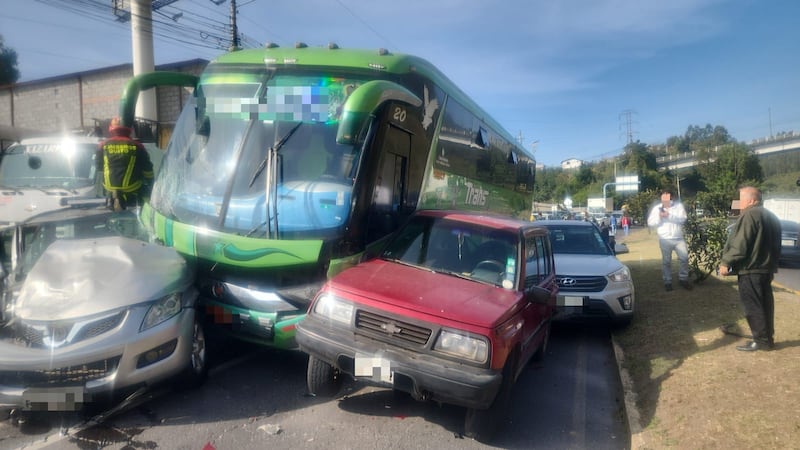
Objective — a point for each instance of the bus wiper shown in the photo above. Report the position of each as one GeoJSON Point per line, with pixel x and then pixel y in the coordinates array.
{"type": "Point", "coordinates": [256, 228]}
{"type": "Point", "coordinates": [277, 147]}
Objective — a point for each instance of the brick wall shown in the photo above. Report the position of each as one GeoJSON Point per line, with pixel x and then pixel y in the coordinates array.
{"type": "Point", "coordinates": [82, 100]}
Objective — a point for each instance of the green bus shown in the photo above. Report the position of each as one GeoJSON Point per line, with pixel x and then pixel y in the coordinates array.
{"type": "Point", "coordinates": [288, 165]}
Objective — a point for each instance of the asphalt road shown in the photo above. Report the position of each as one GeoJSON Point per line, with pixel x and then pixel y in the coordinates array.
{"type": "Point", "coordinates": [789, 275]}
{"type": "Point", "coordinates": [257, 399]}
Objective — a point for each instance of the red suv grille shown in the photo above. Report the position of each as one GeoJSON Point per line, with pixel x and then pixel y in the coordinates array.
{"type": "Point", "coordinates": [392, 329]}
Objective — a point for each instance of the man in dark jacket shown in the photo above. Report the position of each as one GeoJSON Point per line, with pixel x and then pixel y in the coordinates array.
{"type": "Point", "coordinates": [126, 167]}
{"type": "Point", "coordinates": [752, 252]}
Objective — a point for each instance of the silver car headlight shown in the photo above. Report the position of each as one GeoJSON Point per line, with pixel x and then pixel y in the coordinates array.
{"type": "Point", "coordinates": [334, 308]}
{"type": "Point", "coordinates": [163, 309]}
{"type": "Point", "coordinates": [462, 346]}
{"type": "Point", "coordinates": [622, 274]}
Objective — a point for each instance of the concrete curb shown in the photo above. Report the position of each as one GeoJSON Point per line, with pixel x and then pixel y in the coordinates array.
{"type": "Point", "coordinates": [632, 416]}
{"type": "Point", "coordinates": [786, 288]}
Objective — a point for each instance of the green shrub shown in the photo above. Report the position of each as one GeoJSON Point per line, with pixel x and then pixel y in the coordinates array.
{"type": "Point", "coordinates": [705, 238]}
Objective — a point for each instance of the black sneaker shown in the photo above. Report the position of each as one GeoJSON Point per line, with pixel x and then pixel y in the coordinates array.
{"type": "Point", "coordinates": [686, 285]}
{"type": "Point", "coordinates": [668, 287]}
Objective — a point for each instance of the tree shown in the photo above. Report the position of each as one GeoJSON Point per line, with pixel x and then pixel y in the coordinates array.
{"type": "Point", "coordinates": [732, 166]}
{"type": "Point", "coordinates": [8, 64]}
{"type": "Point", "coordinates": [638, 205]}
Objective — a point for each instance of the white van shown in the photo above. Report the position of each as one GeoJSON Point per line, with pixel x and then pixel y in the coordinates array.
{"type": "Point", "coordinates": [39, 174]}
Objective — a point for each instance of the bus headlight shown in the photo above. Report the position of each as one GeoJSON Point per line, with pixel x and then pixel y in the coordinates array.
{"type": "Point", "coordinates": [335, 309]}
{"type": "Point", "coordinates": [162, 310]}
{"type": "Point", "coordinates": [462, 346]}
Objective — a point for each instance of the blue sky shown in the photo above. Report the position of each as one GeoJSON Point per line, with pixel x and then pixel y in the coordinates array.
{"type": "Point", "coordinates": [566, 75]}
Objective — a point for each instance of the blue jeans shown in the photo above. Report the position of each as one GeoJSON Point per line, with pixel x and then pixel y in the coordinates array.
{"type": "Point", "coordinates": [679, 247]}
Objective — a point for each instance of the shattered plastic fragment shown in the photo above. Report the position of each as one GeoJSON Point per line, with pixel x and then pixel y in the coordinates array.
{"type": "Point", "coordinates": [270, 428]}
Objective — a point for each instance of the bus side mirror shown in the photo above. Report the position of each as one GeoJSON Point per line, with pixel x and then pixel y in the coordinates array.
{"type": "Point", "coordinates": [363, 103]}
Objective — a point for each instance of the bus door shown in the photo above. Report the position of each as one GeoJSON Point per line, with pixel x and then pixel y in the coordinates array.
{"type": "Point", "coordinates": [388, 208]}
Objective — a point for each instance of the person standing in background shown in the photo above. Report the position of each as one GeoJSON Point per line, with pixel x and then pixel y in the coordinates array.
{"type": "Point", "coordinates": [668, 218]}
{"type": "Point", "coordinates": [752, 252]}
{"type": "Point", "coordinates": [626, 224]}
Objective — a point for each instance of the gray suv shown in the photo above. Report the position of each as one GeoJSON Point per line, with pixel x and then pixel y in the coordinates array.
{"type": "Point", "coordinates": [592, 282]}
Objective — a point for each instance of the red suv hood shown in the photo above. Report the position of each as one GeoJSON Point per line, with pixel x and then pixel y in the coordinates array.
{"type": "Point", "coordinates": [435, 294]}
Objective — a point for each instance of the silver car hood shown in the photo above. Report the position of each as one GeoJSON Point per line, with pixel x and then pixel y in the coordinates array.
{"type": "Point", "coordinates": [77, 278]}
{"type": "Point", "coordinates": [586, 265]}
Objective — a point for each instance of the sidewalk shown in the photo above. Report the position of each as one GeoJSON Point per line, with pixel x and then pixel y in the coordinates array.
{"type": "Point", "coordinates": [686, 386]}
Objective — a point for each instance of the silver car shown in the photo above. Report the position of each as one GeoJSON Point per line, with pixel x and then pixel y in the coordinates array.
{"type": "Point", "coordinates": [592, 282]}
{"type": "Point", "coordinates": [790, 244]}
{"type": "Point", "coordinates": [94, 310]}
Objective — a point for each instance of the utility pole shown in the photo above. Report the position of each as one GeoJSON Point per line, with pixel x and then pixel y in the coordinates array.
{"type": "Point", "coordinates": [770, 122]}
{"type": "Point", "coordinates": [143, 58]}
{"type": "Point", "coordinates": [234, 31]}
{"type": "Point", "coordinates": [534, 145]}
{"type": "Point", "coordinates": [141, 17]}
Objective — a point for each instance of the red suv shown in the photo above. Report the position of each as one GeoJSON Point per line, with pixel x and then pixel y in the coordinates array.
{"type": "Point", "coordinates": [451, 311]}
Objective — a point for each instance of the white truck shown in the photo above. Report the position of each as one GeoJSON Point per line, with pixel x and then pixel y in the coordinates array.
{"type": "Point", "coordinates": [784, 208]}
{"type": "Point", "coordinates": [39, 174]}
{"type": "Point", "coordinates": [600, 207]}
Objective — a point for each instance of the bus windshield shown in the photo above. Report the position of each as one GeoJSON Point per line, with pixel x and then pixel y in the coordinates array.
{"type": "Point", "coordinates": [256, 154]}
{"type": "Point", "coordinates": [63, 164]}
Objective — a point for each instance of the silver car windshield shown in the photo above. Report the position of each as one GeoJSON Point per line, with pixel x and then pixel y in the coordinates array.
{"type": "Point", "coordinates": [577, 240]}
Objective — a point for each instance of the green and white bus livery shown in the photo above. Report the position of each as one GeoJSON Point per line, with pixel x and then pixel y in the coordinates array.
{"type": "Point", "coordinates": [288, 165]}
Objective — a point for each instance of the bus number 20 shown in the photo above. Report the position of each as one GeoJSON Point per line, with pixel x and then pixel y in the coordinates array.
{"type": "Point", "coordinates": [399, 114]}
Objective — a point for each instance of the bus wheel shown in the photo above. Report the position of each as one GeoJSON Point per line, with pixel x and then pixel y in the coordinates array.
{"type": "Point", "coordinates": [322, 379]}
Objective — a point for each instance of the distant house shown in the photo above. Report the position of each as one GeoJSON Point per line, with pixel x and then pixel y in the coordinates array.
{"type": "Point", "coordinates": [572, 163]}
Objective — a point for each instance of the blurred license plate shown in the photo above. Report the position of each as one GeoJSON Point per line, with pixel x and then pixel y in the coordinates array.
{"type": "Point", "coordinates": [787, 243]}
{"type": "Point", "coordinates": [375, 367]}
{"type": "Point", "coordinates": [568, 300]}
{"type": "Point", "coordinates": [68, 398]}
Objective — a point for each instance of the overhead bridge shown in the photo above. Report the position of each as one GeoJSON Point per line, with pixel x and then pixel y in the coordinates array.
{"type": "Point", "coordinates": [785, 143]}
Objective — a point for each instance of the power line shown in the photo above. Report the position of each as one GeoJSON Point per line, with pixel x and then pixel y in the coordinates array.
{"type": "Point", "coordinates": [175, 24]}
{"type": "Point", "coordinates": [366, 24]}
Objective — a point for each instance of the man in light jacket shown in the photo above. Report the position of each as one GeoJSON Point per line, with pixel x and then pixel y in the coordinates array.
{"type": "Point", "coordinates": [668, 218]}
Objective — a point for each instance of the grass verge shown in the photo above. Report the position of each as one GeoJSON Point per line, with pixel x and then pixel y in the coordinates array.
{"type": "Point", "coordinates": [688, 385]}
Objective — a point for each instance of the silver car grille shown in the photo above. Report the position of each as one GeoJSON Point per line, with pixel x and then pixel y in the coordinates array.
{"type": "Point", "coordinates": [58, 334]}
{"type": "Point", "coordinates": [60, 376]}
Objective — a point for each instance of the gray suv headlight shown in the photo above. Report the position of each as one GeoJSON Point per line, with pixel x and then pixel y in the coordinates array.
{"type": "Point", "coordinates": [620, 275]}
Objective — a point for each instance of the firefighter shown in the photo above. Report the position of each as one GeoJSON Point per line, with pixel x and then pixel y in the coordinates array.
{"type": "Point", "coordinates": [126, 168]}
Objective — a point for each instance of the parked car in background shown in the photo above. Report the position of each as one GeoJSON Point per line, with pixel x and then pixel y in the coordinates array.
{"type": "Point", "coordinates": [38, 174]}
{"type": "Point", "coordinates": [790, 246]}
{"type": "Point", "coordinates": [451, 311]}
{"type": "Point", "coordinates": [93, 310]}
{"type": "Point", "coordinates": [592, 282]}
